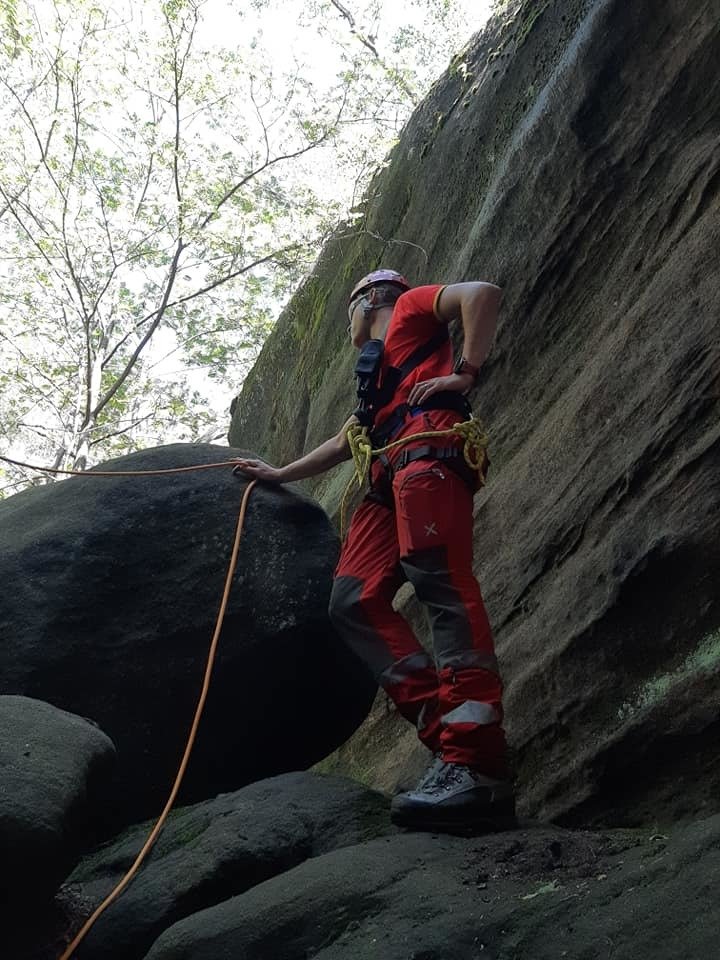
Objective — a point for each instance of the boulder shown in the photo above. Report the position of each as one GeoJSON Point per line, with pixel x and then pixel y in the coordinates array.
{"type": "Point", "coordinates": [53, 768]}
{"type": "Point", "coordinates": [540, 893]}
{"type": "Point", "coordinates": [110, 592]}
{"type": "Point", "coordinates": [217, 849]}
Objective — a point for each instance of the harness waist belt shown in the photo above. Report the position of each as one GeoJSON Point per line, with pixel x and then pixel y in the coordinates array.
{"type": "Point", "coordinates": [426, 453]}
{"type": "Point", "coordinates": [446, 400]}
{"type": "Point", "coordinates": [382, 492]}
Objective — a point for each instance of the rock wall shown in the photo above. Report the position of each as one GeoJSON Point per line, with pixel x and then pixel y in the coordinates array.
{"type": "Point", "coordinates": [570, 154]}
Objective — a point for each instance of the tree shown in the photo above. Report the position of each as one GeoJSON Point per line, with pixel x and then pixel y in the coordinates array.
{"type": "Point", "coordinates": [128, 207]}
{"type": "Point", "coordinates": [153, 204]}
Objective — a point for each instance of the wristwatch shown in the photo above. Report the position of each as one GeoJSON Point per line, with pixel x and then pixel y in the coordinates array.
{"type": "Point", "coordinates": [464, 366]}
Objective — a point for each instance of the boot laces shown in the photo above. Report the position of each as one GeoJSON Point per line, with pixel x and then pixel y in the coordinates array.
{"type": "Point", "coordinates": [431, 772]}
{"type": "Point", "coordinates": [446, 777]}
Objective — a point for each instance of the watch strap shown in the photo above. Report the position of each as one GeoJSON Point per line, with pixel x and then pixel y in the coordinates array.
{"type": "Point", "coordinates": [464, 366]}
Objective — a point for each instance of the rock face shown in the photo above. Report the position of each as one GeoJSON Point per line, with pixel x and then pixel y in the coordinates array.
{"type": "Point", "coordinates": [570, 155]}
{"type": "Point", "coordinates": [53, 765]}
{"type": "Point", "coordinates": [218, 849]}
{"type": "Point", "coordinates": [110, 593]}
{"type": "Point", "coordinates": [540, 893]}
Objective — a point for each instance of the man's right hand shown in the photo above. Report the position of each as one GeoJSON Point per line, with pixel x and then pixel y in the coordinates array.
{"type": "Point", "coordinates": [258, 470]}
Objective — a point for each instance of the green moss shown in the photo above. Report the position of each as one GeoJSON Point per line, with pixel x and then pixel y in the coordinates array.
{"type": "Point", "coordinates": [309, 309]}
{"type": "Point", "coordinates": [297, 329]}
{"type": "Point", "coordinates": [704, 659]}
{"type": "Point", "coordinates": [353, 766]}
{"type": "Point", "coordinates": [317, 308]}
{"type": "Point", "coordinates": [528, 23]}
{"type": "Point", "coordinates": [118, 854]}
{"type": "Point", "coordinates": [516, 25]}
{"type": "Point", "coordinates": [707, 655]}
{"type": "Point", "coordinates": [459, 68]}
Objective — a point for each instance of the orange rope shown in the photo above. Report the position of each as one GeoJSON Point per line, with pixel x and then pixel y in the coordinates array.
{"type": "Point", "coordinates": [121, 473]}
{"type": "Point", "coordinates": [115, 893]}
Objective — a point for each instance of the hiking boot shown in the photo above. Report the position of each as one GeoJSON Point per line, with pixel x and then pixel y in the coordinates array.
{"type": "Point", "coordinates": [454, 798]}
{"type": "Point", "coordinates": [432, 771]}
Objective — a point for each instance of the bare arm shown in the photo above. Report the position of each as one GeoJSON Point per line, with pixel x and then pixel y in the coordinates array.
{"type": "Point", "coordinates": [322, 458]}
{"type": "Point", "coordinates": [477, 304]}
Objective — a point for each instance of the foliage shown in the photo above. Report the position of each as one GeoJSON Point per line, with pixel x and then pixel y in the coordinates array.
{"type": "Point", "coordinates": [155, 203]}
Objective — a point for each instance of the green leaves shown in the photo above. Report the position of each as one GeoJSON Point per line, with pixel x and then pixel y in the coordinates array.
{"type": "Point", "coordinates": [164, 186]}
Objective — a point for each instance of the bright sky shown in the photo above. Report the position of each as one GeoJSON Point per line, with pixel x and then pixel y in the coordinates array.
{"type": "Point", "coordinates": [283, 34]}
{"type": "Point", "coordinates": [286, 33]}
{"type": "Point", "coordinates": [285, 40]}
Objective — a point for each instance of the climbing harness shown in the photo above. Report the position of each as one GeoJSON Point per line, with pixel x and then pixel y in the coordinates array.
{"type": "Point", "coordinates": [474, 448]}
{"type": "Point", "coordinates": [375, 390]}
{"type": "Point", "coordinates": [474, 453]}
{"type": "Point", "coordinates": [398, 416]}
{"type": "Point", "coordinates": [154, 833]}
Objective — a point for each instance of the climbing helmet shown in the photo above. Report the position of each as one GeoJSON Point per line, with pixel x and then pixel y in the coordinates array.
{"type": "Point", "coordinates": [378, 276]}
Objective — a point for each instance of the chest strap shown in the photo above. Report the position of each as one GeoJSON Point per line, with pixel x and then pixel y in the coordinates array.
{"type": "Point", "coordinates": [374, 395]}
{"type": "Point", "coordinates": [393, 377]}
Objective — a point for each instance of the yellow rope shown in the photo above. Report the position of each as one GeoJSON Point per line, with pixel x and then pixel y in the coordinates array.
{"type": "Point", "coordinates": [474, 451]}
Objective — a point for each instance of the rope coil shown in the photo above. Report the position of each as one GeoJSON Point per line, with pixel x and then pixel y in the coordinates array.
{"type": "Point", "coordinates": [474, 452]}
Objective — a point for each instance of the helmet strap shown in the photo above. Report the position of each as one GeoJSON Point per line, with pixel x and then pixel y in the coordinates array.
{"type": "Point", "coordinates": [376, 298]}
{"type": "Point", "coordinates": [370, 301]}
{"type": "Point", "coordinates": [368, 304]}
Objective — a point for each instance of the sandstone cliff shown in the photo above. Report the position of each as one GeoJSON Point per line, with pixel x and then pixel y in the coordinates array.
{"type": "Point", "coordinates": [570, 154]}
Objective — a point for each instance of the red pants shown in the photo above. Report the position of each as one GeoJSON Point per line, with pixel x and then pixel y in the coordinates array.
{"type": "Point", "coordinates": [424, 535]}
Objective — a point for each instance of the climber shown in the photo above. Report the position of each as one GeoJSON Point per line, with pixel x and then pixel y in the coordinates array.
{"type": "Point", "coordinates": [416, 524]}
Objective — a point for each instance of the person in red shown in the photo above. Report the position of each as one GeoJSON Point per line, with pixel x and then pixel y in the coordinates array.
{"type": "Point", "coordinates": [416, 524]}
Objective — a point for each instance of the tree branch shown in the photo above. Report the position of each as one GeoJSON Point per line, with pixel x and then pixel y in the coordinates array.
{"type": "Point", "coordinates": [365, 41]}
{"type": "Point", "coordinates": [159, 314]}
{"type": "Point", "coordinates": [236, 273]}
{"type": "Point", "coordinates": [276, 254]}
{"type": "Point", "coordinates": [258, 170]}
{"type": "Point", "coordinates": [119, 433]}
{"type": "Point", "coordinates": [185, 343]}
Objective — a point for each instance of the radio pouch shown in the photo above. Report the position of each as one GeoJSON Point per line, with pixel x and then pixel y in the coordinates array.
{"type": "Point", "coordinates": [367, 373]}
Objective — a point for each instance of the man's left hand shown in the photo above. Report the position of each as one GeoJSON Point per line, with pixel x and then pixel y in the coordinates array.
{"type": "Point", "coordinates": [455, 382]}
